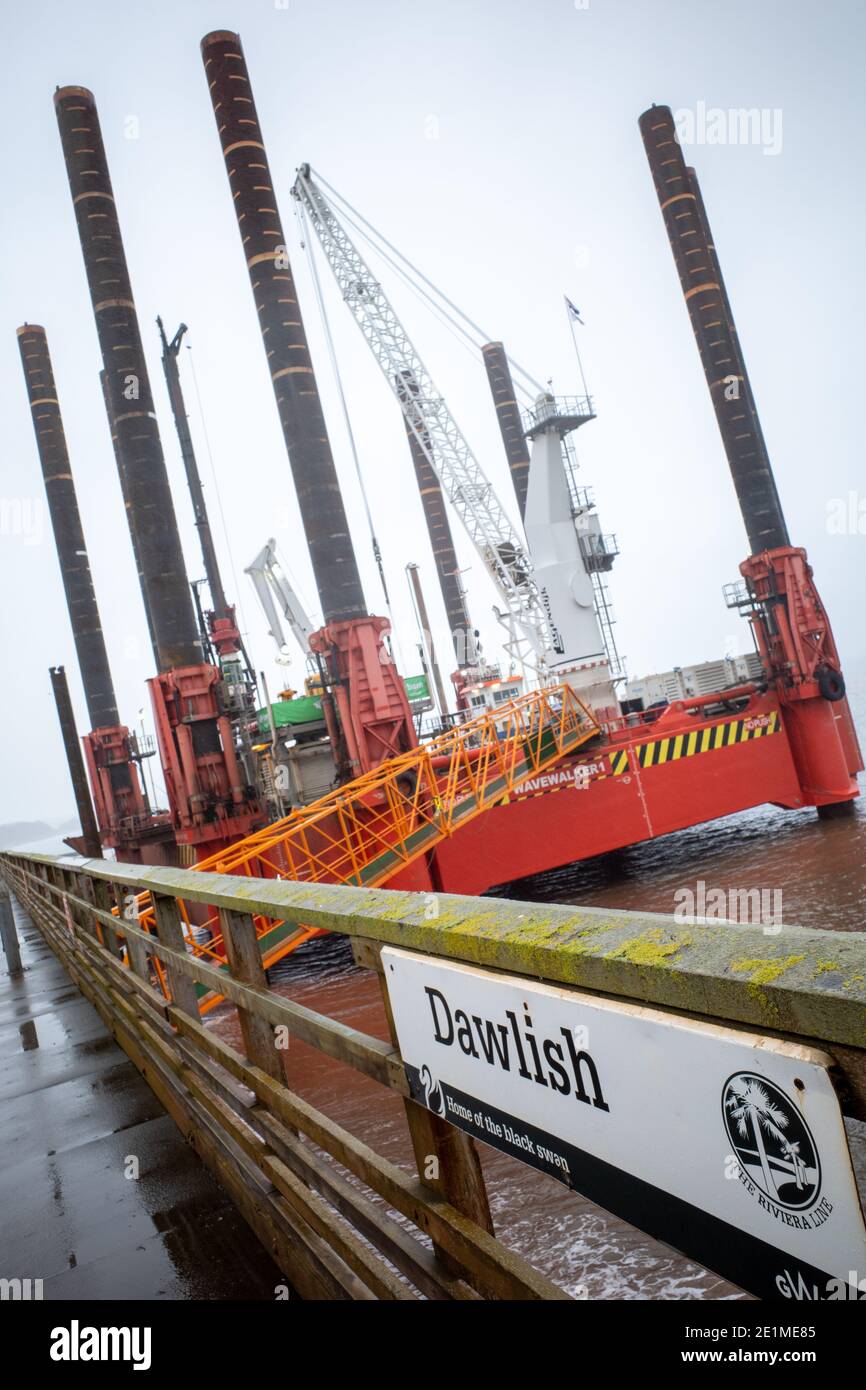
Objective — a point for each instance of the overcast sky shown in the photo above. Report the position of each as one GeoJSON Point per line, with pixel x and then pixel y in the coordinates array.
{"type": "Point", "coordinates": [496, 143]}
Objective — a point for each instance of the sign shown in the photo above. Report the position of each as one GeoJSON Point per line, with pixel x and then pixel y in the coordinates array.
{"type": "Point", "coordinates": [726, 1145]}
{"type": "Point", "coordinates": [417, 689]}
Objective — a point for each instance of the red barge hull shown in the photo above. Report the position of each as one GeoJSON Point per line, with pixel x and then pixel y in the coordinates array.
{"type": "Point", "coordinates": [677, 772]}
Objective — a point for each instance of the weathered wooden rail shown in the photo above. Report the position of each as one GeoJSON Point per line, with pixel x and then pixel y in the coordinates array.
{"type": "Point", "coordinates": [341, 1221]}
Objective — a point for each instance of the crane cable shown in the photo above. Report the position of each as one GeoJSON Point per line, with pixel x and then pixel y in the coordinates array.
{"type": "Point", "coordinates": [366, 231]}
{"type": "Point", "coordinates": [335, 368]}
{"type": "Point", "coordinates": [463, 339]}
{"type": "Point", "coordinates": [371, 232]}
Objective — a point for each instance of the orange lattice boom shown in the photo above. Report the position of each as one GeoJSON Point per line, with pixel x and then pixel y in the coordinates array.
{"type": "Point", "coordinates": [368, 830]}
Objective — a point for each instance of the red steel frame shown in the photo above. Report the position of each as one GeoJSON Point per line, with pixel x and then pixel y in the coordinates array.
{"type": "Point", "coordinates": [373, 719]}
{"type": "Point", "coordinates": [125, 823]}
{"type": "Point", "coordinates": [205, 786]}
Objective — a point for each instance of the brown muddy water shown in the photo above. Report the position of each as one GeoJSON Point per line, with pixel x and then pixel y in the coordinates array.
{"type": "Point", "coordinates": [818, 868]}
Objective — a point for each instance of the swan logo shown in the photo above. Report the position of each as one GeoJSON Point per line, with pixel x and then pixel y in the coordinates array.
{"type": "Point", "coordinates": [774, 1145]}
{"type": "Point", "coordinates": [432, 1092]}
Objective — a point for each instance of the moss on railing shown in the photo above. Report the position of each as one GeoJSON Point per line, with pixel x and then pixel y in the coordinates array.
{"type": "Point", "coordinates": [806, 982]}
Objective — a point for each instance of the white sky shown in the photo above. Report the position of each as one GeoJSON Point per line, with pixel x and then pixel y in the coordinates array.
{"type": "Point", "coordinates": [496, 144]}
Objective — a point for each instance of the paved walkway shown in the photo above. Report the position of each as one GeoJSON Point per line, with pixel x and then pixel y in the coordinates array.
{"type": "Point", "coordinates": [72, 1109]}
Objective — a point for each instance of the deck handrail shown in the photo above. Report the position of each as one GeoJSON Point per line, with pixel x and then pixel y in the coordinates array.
{"type": "Point", "coordinates": [804, 981]}
{"type": "Point", "coordinates": [248, 1125]}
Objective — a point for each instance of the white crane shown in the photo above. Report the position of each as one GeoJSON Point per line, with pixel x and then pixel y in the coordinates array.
{"type": "Point", "coordinates": [277, 596]}
{"type": "Point", "coordinates": [501, 548]}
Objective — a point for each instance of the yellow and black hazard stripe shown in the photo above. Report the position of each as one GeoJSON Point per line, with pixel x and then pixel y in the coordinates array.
{"type": "Point", "coordinates": [688, 745]}
{"type": "Point", "coordinates": [618, 763]}
{"type": "Point", "coordinates": [668, 750]}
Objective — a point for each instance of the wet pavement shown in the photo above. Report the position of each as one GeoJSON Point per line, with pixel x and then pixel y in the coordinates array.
{"type": "Point", "coordinates": [75, 1119]}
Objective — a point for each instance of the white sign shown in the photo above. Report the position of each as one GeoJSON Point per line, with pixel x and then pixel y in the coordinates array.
{"type": "Point", "coordinates": [727, 1145]}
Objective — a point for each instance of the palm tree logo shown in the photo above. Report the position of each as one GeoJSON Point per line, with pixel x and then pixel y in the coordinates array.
{"type": "Point", "coordinates": [773, 1143]}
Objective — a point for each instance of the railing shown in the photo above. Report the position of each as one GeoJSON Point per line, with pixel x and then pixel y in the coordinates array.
{"type": "Point", "coordinates": [565, 411]}
{"type": "Point", "coordinates": [382, 1233]}
{"type": "Point", "coordinates": [738, 595]}
{"type": "Point", "coordinates": [599, 551]}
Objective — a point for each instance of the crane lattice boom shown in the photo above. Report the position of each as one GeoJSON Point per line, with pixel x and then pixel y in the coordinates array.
{"type": "Point", "coordinates": [427, 415]}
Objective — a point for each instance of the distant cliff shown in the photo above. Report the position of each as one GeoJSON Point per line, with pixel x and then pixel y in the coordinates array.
{"type": "Point", "coordinates": [25, 832]}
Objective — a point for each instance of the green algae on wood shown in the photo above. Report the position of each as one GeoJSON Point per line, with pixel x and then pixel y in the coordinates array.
{"type": "Point", "coordinates": [764, 972]}
{"type": "Point", "coordinates": [649, 949]}
{"type": "Point", "coordinates": [646, 957]}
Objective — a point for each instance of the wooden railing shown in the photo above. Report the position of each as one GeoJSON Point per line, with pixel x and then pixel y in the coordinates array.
{"type": "Point", "coordinates": [381, 1232]}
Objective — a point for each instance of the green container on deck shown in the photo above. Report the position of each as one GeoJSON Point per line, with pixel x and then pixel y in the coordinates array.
{"type": "Point", "coordinates": [306, 709]}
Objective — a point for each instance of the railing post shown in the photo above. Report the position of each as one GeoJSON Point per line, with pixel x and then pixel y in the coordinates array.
{"type": "Point", "coordinates": [107, 897]}
{"type": "Point", "coordinates": [170, 932]}
{"type": "Point", "coordinates": [139, 957]}
{"type": "Point", "coordinates": [51, 878]}
{"type": "Point", "coordinates": [51, 901]}
{"type": "Point", "coordinates": [95, 892]}
{"type": "Point", "coordinates": [84, 888]}
{"type": "Point", "coordinates": [9, 933]}
{"type": "Point", "coordinates": [245, 962]}
{"type": "Point", "coordinates": [62, 883]}
{"type": "Point", "coordinates": [103, 898]}
{"type": "Point", "coordinates": [41, 872]}
{"type": "Point", "coordinates": [456, 1173]}
{"type": "Point", "coordinates": [56, 901]}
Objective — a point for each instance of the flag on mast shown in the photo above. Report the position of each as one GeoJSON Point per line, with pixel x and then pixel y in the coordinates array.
{"type": "Point", "coordinates": [572, 313]}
